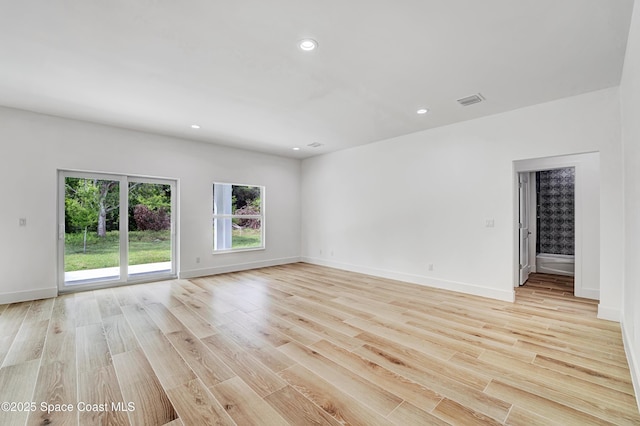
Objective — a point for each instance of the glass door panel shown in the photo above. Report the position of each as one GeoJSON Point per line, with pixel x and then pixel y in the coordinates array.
{"type": "Point", "coordinates": [91, 229]}
{"type": "Point", "coordinates": [150, 228]}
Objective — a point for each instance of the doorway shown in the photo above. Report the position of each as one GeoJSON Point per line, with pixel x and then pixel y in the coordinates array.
{"type": "Point", "coordinates": [547, 222]}
{"type": "Point", "coordinates": [586, 220]}
{"type": "Point", "coordinates": [547, 229]}
{"type": "Point", "coordinates": [114, 229]}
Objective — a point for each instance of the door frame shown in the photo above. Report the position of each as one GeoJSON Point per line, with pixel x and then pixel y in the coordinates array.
{"type": "Point", "coordinates": [587, 193]}
{"type": "Point", "coordinates": [124, 278]}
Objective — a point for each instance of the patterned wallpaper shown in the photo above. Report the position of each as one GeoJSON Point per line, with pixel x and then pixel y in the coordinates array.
{"type": "Point", "coordinates": [555, 197]}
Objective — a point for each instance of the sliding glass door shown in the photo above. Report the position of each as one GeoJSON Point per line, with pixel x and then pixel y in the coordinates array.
{"type": "Point", "coordinates": [114, 229]}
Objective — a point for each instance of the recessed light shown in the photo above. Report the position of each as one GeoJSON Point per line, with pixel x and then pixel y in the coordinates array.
{"type": "Point", "coordinates": [296, 149]}
{"type": "Point", "coordinates": [422, 111]}
{"type": "Point", "coordinates": [195, 126]}
{"type": "Point", "coordinates": [307, 44]}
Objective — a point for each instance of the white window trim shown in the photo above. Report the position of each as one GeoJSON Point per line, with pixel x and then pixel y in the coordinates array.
{"type": "Point", "coordinates": [261, 217]}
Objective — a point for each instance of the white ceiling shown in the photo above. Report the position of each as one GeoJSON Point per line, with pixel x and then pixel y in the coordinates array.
{"type": "Point", "coordinates": [234, 67]}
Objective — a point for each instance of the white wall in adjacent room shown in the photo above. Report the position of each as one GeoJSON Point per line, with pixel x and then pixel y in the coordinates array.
{"type": "Point", "coordinates": [395, 207]}
{"type": "Point", "coordinates": [34, 146]}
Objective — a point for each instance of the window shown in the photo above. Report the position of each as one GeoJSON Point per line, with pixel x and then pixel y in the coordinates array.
{"type": "Point", "coordinates": [238, 217]}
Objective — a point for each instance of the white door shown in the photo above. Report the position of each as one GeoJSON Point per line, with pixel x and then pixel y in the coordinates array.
{"type": "Point", "coordinates": [523, 224]}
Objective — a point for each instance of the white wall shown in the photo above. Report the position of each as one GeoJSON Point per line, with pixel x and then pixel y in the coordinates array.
{"type": "Point", "coordinates": [630, 101]}
{"type": "Point", "coordinates": [33, 147]}
{"type": "Point", "coordinates": [393, 207]}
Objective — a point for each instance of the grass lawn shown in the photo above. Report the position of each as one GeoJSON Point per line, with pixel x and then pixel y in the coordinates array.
{"type": "Point", "coordinates": [144, 247]}
{"type": "Point", "coordinates": [246, 238]}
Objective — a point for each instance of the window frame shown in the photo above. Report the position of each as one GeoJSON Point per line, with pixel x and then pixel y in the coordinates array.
{"type": "Point", "coordinates": [260, 217]}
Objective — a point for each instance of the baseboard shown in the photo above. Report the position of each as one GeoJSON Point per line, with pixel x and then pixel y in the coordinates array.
{"type": "Point", "coordinates": [23, 296]}
{"type": "Point", "coordinates": [634, 367]}
{"type": "Point", "coordinates": [505, 295]}
{"type": "Point", "coordinates": [587, 293]}
{"type": "Point", "coordinates": [195, 273]}
{"type": "Point", "coordinates": [610, 314]}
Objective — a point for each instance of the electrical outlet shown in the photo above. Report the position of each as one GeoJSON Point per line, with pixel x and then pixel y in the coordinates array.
{"type": "Point", "coordinates": [490, 223]}
{"type": "Point", "coordinates": [197, 260]}
{"type": "Point", "coordinates": [22, 221]}
{"type": "Point", "coordinates": [430, 267]}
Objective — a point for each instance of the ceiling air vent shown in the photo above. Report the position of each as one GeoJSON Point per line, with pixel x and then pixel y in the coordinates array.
{"type": "Point", "coordinates": [470, 100]}
{"type": "Point", "coordinates": [315, 145]}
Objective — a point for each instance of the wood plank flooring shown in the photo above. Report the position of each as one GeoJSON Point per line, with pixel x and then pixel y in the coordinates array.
{"type": "Point", "coordinates": [302, 344]}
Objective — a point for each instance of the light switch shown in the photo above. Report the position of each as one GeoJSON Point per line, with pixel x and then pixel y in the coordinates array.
{"type": "Point", "coordinates": [23, 221]}
{"type": "Point", "coordinates": [489, 223]}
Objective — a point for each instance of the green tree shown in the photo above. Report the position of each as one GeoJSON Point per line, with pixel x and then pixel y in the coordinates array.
{"type": "Point", "coordinates": [108, 200]}
{"type": "Point", "coordinates": [81, 205]}
{"type": "Point", "coordinates": [244, 195]}
{"type": "Point", "coordinates": [155, 197]}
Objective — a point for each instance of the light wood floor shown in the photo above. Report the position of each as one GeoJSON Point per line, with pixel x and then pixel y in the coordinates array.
{"type": "Point", "coordinates": [559, 285]}
{"type": "Point", "coordinates": [301, 344]}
